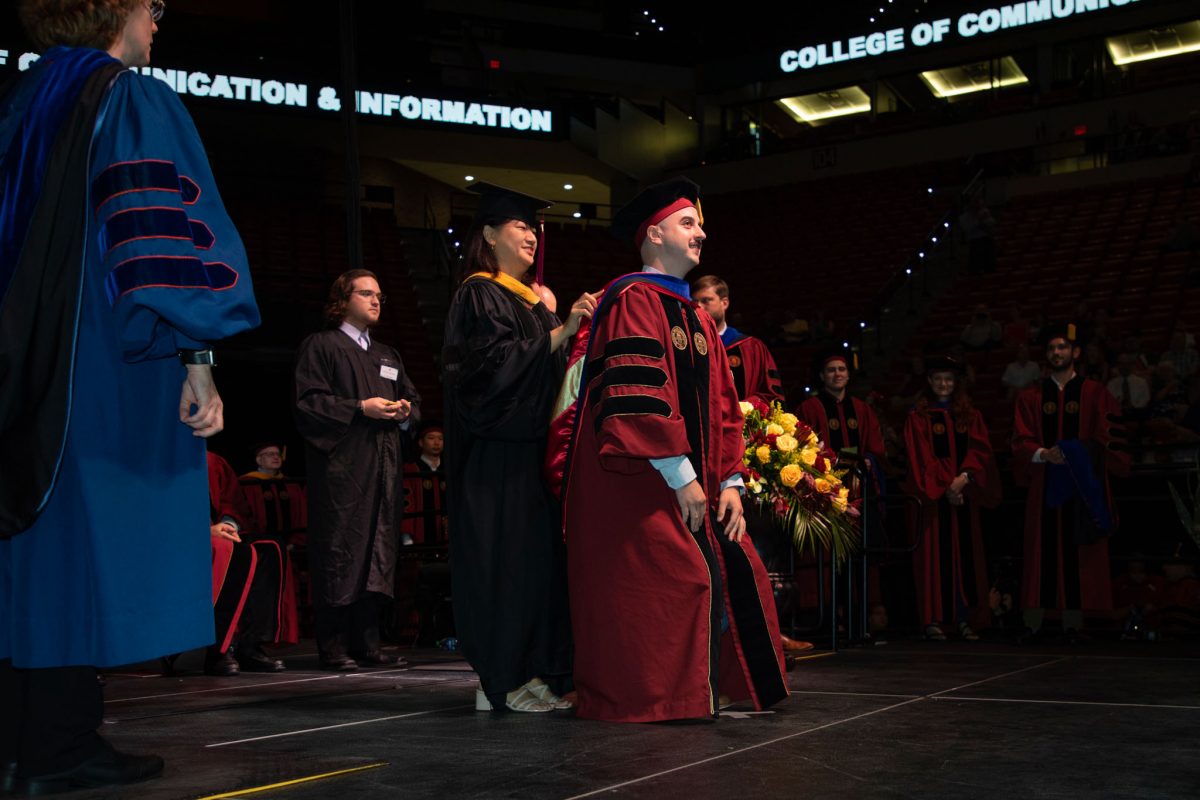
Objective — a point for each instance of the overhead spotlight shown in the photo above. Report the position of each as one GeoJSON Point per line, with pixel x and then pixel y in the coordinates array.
{"type": "Point", "coordinates": [645, 13]}
{"type": "Point", "coordinates": [921, 254]}
{"type": "Point", "coordinates": [933, 239]}
{"type": "Point", "coordinates": [930, 190]}
{"type": "Point", "coordinates": [881, 11]}
{"type": "Point", "coordinates": [469, 178]}
{"type": "Point", "coordinates": [449, 230]}
{"type": "Point", "coordinates": [872, 19]}
{"type": "Point", "coordinates": [945, 224]}
{"type": "Point", "coordinates": [807, 389]}
{"type": "Point", "coordinates": [568, 186]}
{"type": "Point", "coordinates": [653, 21]}
{"type": "Point", "coordinates": [458, 244]}
{"type": "Point", "coordinates": [577, 215]}
{"type": "Point", "coordinates": [661, 29]}
{"type": "Point", "coordinates": [862, 324]}
{"type": "Point", "coordinates": [908, 270]}
{"type": "Point", "coordinates": [845, 344]}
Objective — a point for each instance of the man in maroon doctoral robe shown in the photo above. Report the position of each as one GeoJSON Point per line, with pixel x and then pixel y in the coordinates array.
{"type": "Point", "coordinates": [1062, 433]}
{"type": "Point", "coordinates": [843, 423]}
{"type": "Point", "coordinates": [755, 376]}
{"type": "Point", "coordinates": [670, 605]}
{"type": "Point", "coordinates": [756, 379]}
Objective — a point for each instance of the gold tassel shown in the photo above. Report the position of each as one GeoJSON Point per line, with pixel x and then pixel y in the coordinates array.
{"type": "Point", "coordinates": [699, 212]}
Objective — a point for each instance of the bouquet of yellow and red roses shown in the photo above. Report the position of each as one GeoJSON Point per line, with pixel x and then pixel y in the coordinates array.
{"type": "Point", "coordinates": [795, 475]}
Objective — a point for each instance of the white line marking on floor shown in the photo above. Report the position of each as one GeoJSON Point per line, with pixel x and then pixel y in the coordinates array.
{"type": "Point", "coordinates": [805, 732]}
{"type": "Point", "coordinates": [241, 687]}
{"type": "Point", "coordinates": [340, 725]}
{"type": "Point", "coordinates": [225, 689]}
{"type": "Point", "coordinates": [747, 749]}
{"type": "Point", "coordinates": [857, 694]}
{"type": "Point", "coordinates": [1070, 702]}
{"type": "Point", "coordinates": [998, 677]}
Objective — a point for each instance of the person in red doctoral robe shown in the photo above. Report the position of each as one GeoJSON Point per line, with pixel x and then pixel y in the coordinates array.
{"type": "Point", "coordinates": [756, 379]}
{"type": "Point", "coordinates": [252, 598]}
{"type": "Point", "coordinates": [670, 605]}
{"type": "Point", "coordinates": [1062, 432]}
{"type": "Point", "coordinates": [755, 376]}
{"type": "Point", "coordinates": [278, 503]}
{"type": "Point", "coordinates": [843, 423]}
{"type": "Point", "coordinates": [952, 469]}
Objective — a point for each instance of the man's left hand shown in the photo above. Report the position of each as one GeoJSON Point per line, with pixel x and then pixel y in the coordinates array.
{"type": "Point", "coordinates": [200, 391]}
{"type": "Point", "coordinates": [730, 505]}
{"type": "Point", "coordinates": [403, 410]}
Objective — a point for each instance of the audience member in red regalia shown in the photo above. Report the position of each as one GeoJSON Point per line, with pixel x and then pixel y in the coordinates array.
{"type": "Point", "coordinates": [952, 469]}
{"type": "Point", "coordinates": [425, 491]}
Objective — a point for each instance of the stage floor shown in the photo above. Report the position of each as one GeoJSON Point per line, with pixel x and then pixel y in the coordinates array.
{"type": "Point", "coordinates": [908, 719]}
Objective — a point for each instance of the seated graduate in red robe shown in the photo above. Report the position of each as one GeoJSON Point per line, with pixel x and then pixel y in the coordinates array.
{"type": "Point", "coordinates": [253, 602]}
{"type": "Point", "coordinates": [670, 605]}
{"type": "Point", "coordinates": [952, 470]}
{"type": "Point", "coordinates": [278, 503]}
{"type": "Point", "coordinates": [1062, 434]}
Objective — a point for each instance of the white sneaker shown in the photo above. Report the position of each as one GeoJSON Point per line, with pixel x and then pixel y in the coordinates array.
{"type": "Point", "coordinates": [517, 700]}
{"type": "Point", "coordinates": [538, 688]}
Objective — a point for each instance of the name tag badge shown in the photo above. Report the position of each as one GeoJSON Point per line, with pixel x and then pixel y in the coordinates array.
{"type": "Point", "coordinates": [390, 373]}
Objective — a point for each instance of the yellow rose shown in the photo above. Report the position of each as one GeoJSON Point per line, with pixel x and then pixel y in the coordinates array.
{"type": "Point", "coordinates": [812, 438]}
{"type": "Point", "coordinates": [786, 444]}
{"type": "Point", "coordinates": [789, 422]}
{"type": "Point", "coordinates": [755, 487]}
{"type": "Point", "coordinates": [763, 454]}
{"type": "Point", "coordinates": [746, 408]}
{"type": "Point", "coordinates": [774, 430]}
{"type": "Point", "coordinates": [841, 499]}
{"type": "Point", "coordinates": [790, 475]}
{"type": "Point", "coordinates": [834, 481]}
{"type": "Point", "coordinates": [808, 455]}
{"type": "Point", "coordinates": [822, 486]}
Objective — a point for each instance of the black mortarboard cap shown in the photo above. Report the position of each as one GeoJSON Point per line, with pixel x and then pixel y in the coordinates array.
{"type": "Point", "coordinates": [498, 204]}
{"type": "Point", "coordinates": [1061, 330]}
{"type": "Point", "coordinates": [652, 205]}
{"type": "Point", "coordinates": [943, 363]}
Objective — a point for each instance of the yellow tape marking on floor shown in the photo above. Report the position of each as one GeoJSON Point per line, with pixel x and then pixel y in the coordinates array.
{"type": "Point", "coordinates": [282, 784]}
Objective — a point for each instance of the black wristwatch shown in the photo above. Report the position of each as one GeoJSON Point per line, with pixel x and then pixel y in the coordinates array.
{"type": "Point", "coordinates": [197, 357]}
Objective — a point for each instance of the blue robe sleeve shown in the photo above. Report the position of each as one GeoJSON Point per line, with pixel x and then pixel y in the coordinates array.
{"type": "Point", "coordinates": [177, 275]}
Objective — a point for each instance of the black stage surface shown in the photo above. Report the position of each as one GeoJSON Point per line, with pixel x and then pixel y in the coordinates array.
{"type": "Point", "coordinates": [1096, 719]}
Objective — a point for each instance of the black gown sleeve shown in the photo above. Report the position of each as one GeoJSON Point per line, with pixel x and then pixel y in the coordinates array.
{"type": "Point", "coordinates": [502, 376]}
{"type": "Point", "coordinates": [322, 417]}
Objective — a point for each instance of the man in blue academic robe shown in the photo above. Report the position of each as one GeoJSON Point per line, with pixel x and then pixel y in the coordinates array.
{"type": "Point", "coordinates": [117, 263]}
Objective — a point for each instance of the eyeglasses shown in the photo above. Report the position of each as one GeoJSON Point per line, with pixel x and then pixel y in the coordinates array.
{"type": "Point", "coordinates": [156, 9]}
{"type": "Point", "coordinates": [367, 294]}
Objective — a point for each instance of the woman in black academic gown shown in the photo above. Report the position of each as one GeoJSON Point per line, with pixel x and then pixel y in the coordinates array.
{"type": "Point", "coordinates": [503, 362]}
